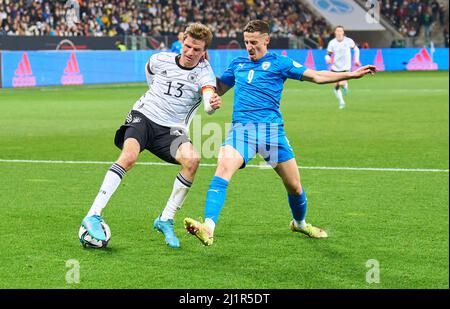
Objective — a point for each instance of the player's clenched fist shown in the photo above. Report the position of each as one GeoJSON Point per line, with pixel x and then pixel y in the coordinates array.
{"type": "Point", "coordinates": [215, 101]}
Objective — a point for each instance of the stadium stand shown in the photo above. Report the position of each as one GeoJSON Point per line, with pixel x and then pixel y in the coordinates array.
{"type": "Point", "coordinates": [410, 15]}
{"type": "Point", "coordinates": [292, 19]}
{"type": "Point", "coordinates": [118, 17]}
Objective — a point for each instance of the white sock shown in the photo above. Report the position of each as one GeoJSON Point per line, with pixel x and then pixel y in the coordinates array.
{"type": "Point", "coordinates": [180, 190]}
{"type": "Point", "coordinates": [339, 96]}
{"type": "Point", "coordinates": [210, 224]}
{"type": "Point", "coordinates": [301, 224]}
{"type": "Point", "coordinates": [112, 180]}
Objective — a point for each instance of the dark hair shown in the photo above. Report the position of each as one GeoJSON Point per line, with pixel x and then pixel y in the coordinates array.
{"type": "Point", "coordinates": [339, 26]}
{"type": "Point", "coordinates": [257, 26]}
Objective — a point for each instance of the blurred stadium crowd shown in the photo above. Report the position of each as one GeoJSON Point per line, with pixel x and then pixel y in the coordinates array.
{"type": "Point", "coordinates": [149, 17]}
{"type": "Point", "coordinates": [410, 15]}
{"type": "Point", "coordinates": [118, 17]}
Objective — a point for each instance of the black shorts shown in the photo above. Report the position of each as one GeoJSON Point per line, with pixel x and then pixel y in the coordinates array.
{"type": "Point", "coordinates": [161, 141]}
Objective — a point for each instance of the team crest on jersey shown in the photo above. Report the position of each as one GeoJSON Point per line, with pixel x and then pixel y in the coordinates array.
{"type": "Point", "coordinates": [192, 77]}
{"type": "Point", "coordinates": [266, 65]}
{"type": "Point", "coordinates": [164, 73]}
{"type": "Point", "coordinates": [296, 64]}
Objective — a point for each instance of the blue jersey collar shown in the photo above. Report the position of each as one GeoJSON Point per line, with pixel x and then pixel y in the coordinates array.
{"type": "Point", "coordinates": [263, 58]}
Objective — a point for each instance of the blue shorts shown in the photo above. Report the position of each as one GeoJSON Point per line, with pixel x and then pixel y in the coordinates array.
{"type": "Point", "coordinates": [269, 140]}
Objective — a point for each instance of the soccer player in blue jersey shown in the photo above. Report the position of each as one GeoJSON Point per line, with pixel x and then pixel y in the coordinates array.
{"type": "Point", "coordinates": [258, 127]}
{"type": "Point", "coordinates": [177, 46]}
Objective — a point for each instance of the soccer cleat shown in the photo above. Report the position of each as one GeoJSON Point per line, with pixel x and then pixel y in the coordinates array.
{"type": "Point", "coordinates": [342, 105]}
{"type": "Point", "coordinates": [166, 227]}
{"type": "Point", "coordinates": [199, 230]}
{"type": "Point", "coordinates": [308, 230]}
{"type": "Point", "coordinates": [94, 228]}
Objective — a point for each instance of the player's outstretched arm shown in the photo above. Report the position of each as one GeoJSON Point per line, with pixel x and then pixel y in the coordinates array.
{"type": "Point", "coordinates": [221, 87]}
{"type": "Point", "coordinates": [327, 77]}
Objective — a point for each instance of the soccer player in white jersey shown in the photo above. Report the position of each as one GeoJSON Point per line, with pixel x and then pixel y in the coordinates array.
{"type": "Point", "coordinates": [258, 127]}
{"type": "Point", "coordinates": [340, 56]}
{"type": "Point", "coordinates": [159, 123]}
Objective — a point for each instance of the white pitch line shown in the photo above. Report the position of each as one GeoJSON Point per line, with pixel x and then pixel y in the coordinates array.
{"type": "Point", "coordinates": [336, 168]}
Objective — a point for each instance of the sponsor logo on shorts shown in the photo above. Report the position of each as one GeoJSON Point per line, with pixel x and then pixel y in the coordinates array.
{"type": "Point", "coordinates": [129, 118]}
{"type": "Point", "coordinates": [176, 132]}
{"type": "Point", "coordinates": [136, 120]}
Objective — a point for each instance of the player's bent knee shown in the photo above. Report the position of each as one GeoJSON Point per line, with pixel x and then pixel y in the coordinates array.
{"type": "Point", "coordinates": [294, 188]}
{"type": "Point", "coordinates": [192, 164]}
{"type": "Point", "coordinates": [226, 168]}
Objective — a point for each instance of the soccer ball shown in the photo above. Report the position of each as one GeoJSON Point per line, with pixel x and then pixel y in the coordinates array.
{"type": "Point", "coordinates": [88, 242]}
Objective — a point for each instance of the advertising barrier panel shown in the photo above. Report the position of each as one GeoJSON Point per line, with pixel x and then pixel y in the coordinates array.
{"type": "Point", "coordinates": [51, 68]}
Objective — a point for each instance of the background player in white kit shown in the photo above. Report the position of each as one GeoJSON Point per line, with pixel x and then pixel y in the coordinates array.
{"type": "Point", "coordinates": [159, 122]}
{"type": "Point", "coordinates": [340, 48]}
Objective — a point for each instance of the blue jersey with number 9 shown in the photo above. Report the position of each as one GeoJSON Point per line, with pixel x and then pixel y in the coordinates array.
{"type": "Point", "coordinates": [258, 86]}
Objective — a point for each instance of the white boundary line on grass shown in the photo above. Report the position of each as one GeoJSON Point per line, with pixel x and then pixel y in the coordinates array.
{"type": "Point", "coordinates": [336, 168]}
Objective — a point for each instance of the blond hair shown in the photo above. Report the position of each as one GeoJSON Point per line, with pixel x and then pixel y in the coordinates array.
{"type": "Point", "coordinates": [200, 32]}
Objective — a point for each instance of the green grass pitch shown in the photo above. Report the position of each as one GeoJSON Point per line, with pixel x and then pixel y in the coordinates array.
{"type": "Point", "coordinates": [399, 218]}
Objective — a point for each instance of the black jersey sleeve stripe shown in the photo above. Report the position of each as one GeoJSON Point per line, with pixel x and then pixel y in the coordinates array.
{"type": "Point", "coordinates": [148, 69]}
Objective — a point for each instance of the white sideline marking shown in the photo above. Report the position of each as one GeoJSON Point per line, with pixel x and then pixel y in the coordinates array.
{"type": "Point", "coordinates": [372, 90]}
{"type": "Point", "coordinates": [336, 168]}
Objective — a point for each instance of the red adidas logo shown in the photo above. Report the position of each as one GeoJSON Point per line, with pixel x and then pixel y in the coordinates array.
{"type": "Point", "coordinates": [379, 61]}
{"type": "Point", "coordinates": [72, 74]}
{"type": "Point", "coordinates": [422, 61]}
{"type": "Point", "coordinates": [309, 62]}
{"type": "Point", "coordinates": [23, 75]}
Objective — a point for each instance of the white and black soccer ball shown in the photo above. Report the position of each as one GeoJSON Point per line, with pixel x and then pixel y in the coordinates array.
{"type": "Point", "coordinates": [88, 242]}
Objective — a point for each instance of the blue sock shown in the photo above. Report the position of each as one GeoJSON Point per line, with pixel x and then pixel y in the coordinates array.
{"type": "Point", "coordinates": [215, 198]}
{"type": "Point", "coordinates": [298, 205]}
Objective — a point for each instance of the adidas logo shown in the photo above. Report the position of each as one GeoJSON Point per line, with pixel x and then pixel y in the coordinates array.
{"type": "Point", "coordinates": [23, 76]}
{"type": "Point", "coordinates": [422, 61]}
{"type": "Point", "coordinates": [129, 118]}
{"type": "Point", "coordinates": [24, 66]}
{"type": "Point", "coordinates": [309, 62]}
{"type": "Point", "coordinates": [72, 74]}
{"type": "Point", "coordinates": [379, 61]}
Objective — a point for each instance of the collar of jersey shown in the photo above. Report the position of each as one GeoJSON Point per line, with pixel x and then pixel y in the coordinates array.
{"type": "Point", "coordinates": [177, 60]}
{"type": "Point", "coordinates": [263, 58]}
